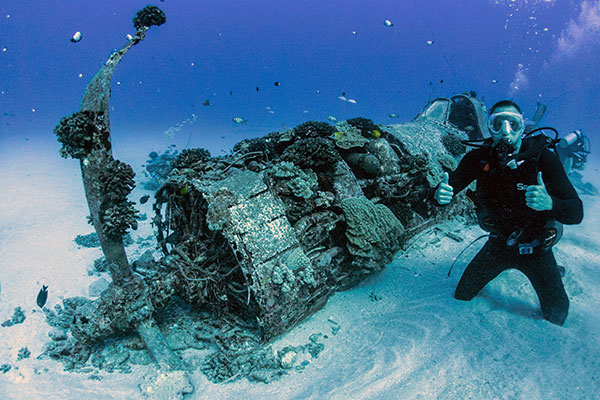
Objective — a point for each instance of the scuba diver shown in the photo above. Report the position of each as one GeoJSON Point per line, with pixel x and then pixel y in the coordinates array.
{"type": "Point", "coordinates": [573, 150]}
{"type": "Point", "coordinates": [522, 197]}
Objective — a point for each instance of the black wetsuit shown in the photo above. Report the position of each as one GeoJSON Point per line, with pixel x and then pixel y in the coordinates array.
{"type": "Point", "coordinates": [501, 191]}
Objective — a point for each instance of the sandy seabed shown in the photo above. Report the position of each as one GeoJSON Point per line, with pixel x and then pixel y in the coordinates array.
{"type": "Point", "coordinates": [402, 334]}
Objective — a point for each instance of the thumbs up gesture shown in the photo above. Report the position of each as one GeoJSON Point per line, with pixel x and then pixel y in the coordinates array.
{"type": "Point", "coordinates": [444, 192]}
{"type": "Point", "coordinates": [537, 197]}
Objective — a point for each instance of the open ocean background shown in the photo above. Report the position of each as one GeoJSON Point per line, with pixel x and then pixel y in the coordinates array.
{"type": "Point", "coordinates": [535, 50]}
{"type": "Point", "coordinates": [416, 341]}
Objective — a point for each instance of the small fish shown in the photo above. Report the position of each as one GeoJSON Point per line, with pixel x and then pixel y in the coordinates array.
{"type": "Point", "coordinates": [144, 199]}
{"type": "Point", "coordinates": [239, 120]}
{"type": "Point", "coordinates": [342, 98]}
{"type": "Point", "coordinates": [430, 42]}
{"type": "Point", "coordinates": [441, 81]}
{"type": "Point", "coordinates": [337, 135]}
{"type": "Point", "coordinates": [184, 190]}
{"type": "Point", "coordinates": [494, 81]}
{"type": "Point", "coordinates": [271, 112]}
{"type": "Point", "coordinates": [332, 118]}
{"type": "Point", "coordinates": [206, 102]}
{"type": "Point", "coordinates": [231, 92]}
{"type": "Point", "coordinates": [257, 89]}
{"type": "Point", "coordinates": [42, 296]}
{"type": "Point", "coordinates": [343, 93]}
{"type": "Point", "coordinates": [393, 115]}
{"type": "Point", "coordinates": [76, 37]}
{"type": "Point", "coordinates": [128, 36]}
{"type": "Point", "coordinates": [276, 83]}
{"type": "Point", "coordinates": [376, 133]}
{"type": "Point", "coordinates": [388, 23]}
{"type": "Point", "coordinates": [352, 101]}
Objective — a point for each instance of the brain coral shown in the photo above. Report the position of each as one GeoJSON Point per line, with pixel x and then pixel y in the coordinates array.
{"type": "Point", "coordinates": [374, 233]}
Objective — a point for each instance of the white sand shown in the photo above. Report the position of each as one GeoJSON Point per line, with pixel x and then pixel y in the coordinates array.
{"type": "Point", "coordinates": [416, 342]}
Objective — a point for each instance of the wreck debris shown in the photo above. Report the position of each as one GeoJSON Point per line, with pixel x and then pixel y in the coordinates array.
{"type": "Point", "coordinates": [264, 238]}
{"type": "Point", "coordinates": [260, 238]}
{"type": "Point", "coordinates": [85, 135]}
{"type": "Point", "coordinates": [290, 231]}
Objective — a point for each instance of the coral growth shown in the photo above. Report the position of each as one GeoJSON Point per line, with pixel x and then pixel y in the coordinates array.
{"type": "Point", "coordinates": [349, 136]}
{"type": "Point", "coordinates": [82, 132]}
{"type": "Point", "coordinates": [17, 318]}
{"type": "Point", "coordinates": [118, 218]}
{"type": "Point", "coordinates": [114, 183]}
{"type": "Point", "coordinates": [265, 144]}
{"type": "Point", "coordinates": [317, 153]}
{"type": "Point", "coordinates": [453, 144]}
{"type": "Point", "coordinates": [149, 16]}
{"type": "Point", "coordinates": [301, 183]}
{"type": "Point", "coordinates": [120, 309]}
{"type": "Point", "coordinates": [365, 125]}
{"type": "Point", "coordinates": [188, 157]}
{"type": "Point", "coordinates": [313, 129]}
{"type": "Point", "coordinates": [374, 233]}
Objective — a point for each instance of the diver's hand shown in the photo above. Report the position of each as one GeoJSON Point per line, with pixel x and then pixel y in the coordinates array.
{"type": "Point", "coordinates": [537, 197]}
{"type": "Point", "coordinates": [444, 192]}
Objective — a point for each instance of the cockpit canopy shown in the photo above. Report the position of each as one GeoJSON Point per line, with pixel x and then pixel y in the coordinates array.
{"type": "Point", "coordinates": [462, 112]}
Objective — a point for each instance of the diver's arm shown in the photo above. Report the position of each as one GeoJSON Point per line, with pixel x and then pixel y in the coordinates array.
{"type": "Point", "coordinates": [457, 180]}
{"type": "Point", "coordinates": [567, 207]}
{"type": "Point", "coordinates": [466, 172]}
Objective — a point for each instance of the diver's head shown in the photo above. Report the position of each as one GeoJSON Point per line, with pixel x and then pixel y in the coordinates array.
{"type": "Point", "coordinates": [506, 125]}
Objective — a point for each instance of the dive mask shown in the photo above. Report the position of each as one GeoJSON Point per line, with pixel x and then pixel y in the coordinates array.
{"type": "Point", "coordinates": [507, 122]}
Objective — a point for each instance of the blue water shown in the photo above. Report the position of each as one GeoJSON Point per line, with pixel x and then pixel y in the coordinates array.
{"type": "Point", "coordinates": [531, 51]}
{"type": "Point", "coordinates": [316, 50]}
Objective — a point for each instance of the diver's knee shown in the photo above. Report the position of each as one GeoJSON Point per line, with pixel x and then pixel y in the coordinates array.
{"type": "Point", "coordinates": [557, 314]}
{"type": "Point", "coordinates": [461, 294]}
